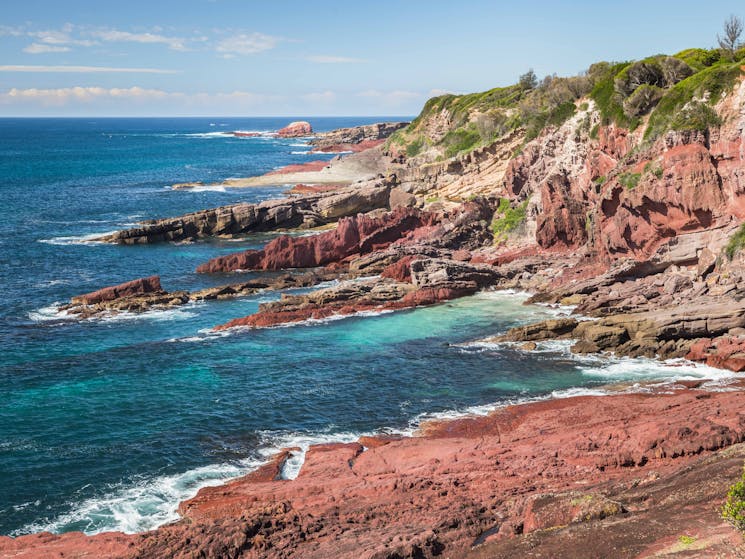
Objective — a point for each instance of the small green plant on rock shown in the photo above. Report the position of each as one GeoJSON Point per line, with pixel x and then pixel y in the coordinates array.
{"type": "Point", "coordinates": [415, 147]}
{"type": "Point", "coordinates": [629, 180]}
{"type": "Point", "coordinates": [687, 540]}
{"type": "Point", "coordinates": [733, 510]}
{"type": "Point", "coordinates": [736, 243]}
{"type": "Point", "coordinates": [507, 219]}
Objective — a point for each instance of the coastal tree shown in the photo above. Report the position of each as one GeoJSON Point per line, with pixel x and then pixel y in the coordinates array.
{"type": "Point", "coordinates": [730, 41]}
{"type": "Point", "coordinates": [528, 80]}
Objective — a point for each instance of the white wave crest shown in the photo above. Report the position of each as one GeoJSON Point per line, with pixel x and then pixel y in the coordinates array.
{"type": "Point", "coordinates": [89, 239]}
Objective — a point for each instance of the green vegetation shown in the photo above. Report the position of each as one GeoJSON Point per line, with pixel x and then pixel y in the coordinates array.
{"type": "Point", "coordinates": [655, 169]}
{"type": "Point", "coordinates": [414, 148]}
{"type": "Point", "coordinates": [698, 59]}
{"type": "Point", "coordinates": [735, 245]}
{"type": "Point", "coordinates": [509, 218]}
{"type": "Point", "coordinates": [687, 540]}
{"type": "Point", "coordinates": [600, 181]}
{"type": "Point", "coordinates": [687, 105]}
{"type": "Point", "coordinates": [733, 510]}
{"type": "Point", "coordinates": [604, 95]}
{"type": "Point", "coordinates": [661, 92]}
{"type": "Point", "coordinates": [431, 199]}
{"type": "Point", "coordinates": [629, 180]}
{"type": "Point", "coordinates": [461, 139]}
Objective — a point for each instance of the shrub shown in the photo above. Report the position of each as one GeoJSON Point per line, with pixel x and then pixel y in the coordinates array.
{"type": "Point", "coordinates": [695, 116]}
{"type": "Point", "coordinates": [509, 220]}
{"type": "Point", "coordinates": [687, 540]}
{"type": "Point", "coordinates": [528, 80]}
{"type": "Point", "coordinates": [604, 94]}
{"type": "Point", "coordinates": [642, 100]}
{"type": "Point", "coordinates": [733, 510]}
{"type": "Point", "coordinates": [735, 245]}
{"type": "Point", "coordinates": [709, 83]}
{"type": "Point", "coordinates": [629, 180]}
{"type": "Point", "coordinates": [674, 70]}
{"type": "Point", "coordinates": [654, 169]}
{"type": "Point", "coordinates": [648, 71]}
{"type": "Point", "coordinates": [459, 140]}
{"type": "Point", "coordinates": [415, 147]}
{"type": "Point", "coordinates": [698, 59]}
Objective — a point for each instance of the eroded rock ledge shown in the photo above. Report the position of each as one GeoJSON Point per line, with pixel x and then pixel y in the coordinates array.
{"type": "Point", "coordinates": [239, 219]}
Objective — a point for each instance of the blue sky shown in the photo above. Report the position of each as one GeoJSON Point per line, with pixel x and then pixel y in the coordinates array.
{"type": "Point", "coordinates": [295, 58]}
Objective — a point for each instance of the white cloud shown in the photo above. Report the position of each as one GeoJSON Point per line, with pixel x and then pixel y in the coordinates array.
{"type": "Point", "coordinates": [40, 48]}
{"type": "Point", "coordinates": [246, 44]}
{"type": "Point", "coordinates": [79, 95]}
{"type": "Point", "coordinates": [322, 59]}
{"type": "Point", "coordinates": [117, 36]}
{"type": "Point", "coordinates": [83, 69]}
{"type": "Point", "coordinates": [63, 37]}
{"type": "Point", "coordinates": [64, 95]}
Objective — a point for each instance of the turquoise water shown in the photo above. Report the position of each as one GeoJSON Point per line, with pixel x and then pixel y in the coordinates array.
{"type": "Point", "coordinates": [108, 424]}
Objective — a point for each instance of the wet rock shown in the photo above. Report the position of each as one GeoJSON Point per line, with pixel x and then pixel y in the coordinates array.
{"type": "Point", "coordinates": [545, 330]}
{"type": "Point", "coordinates": [132, 288]}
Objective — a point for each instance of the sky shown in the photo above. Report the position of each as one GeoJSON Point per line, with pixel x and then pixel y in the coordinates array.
{"type": "Point", "coordinates": [300, 58]}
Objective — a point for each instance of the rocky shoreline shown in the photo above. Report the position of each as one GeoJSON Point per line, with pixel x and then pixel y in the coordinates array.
{"type": "Point", "coordinates": [548, 476]}
{"type": "Point", "coordinates": [640, 237]}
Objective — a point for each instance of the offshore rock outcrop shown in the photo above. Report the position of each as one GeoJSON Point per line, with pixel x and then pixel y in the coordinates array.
{"type": "Point", "coordinates": [146, 294]}
{"type": "Point", "coordinates": [296, 129]}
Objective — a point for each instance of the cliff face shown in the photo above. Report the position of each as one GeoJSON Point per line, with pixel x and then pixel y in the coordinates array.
{"type": "Point", "coordinates": [601, 189]}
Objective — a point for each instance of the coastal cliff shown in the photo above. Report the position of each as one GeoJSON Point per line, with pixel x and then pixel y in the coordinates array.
{"type": "Point", "coordinates": [620, 193]}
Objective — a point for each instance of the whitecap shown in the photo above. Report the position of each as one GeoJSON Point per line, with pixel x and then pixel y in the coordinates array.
{"type": "Point", "coordinates": [50, 313]}
{"type": "Point", "coordinates": [89, 239]}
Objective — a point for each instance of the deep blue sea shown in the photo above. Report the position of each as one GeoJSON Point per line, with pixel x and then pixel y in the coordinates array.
{"type": "Point", "coordinates": [107, 424]}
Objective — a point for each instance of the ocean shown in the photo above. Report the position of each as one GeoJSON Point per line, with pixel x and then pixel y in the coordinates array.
{"type": "Point", "coordinates": [107, 424]}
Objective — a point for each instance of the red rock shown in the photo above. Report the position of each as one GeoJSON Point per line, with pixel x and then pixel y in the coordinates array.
{"type": "Point", "coordinates": [725, 352]}
{"type": "Point", "coordinates": [296, 130]}
{"type": "Point", "coordinates": [360, 234]}
{"type": "Point", "coordinates": [240, 134]}
{"type": "Point", "coordinates": [309, 167]}
{"type": "Point", "coordinates": [399, 270]}
{"type": "Point", "coordinates": [135, 287]}
{"type": "Point", "coordinates": [432, 295]}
